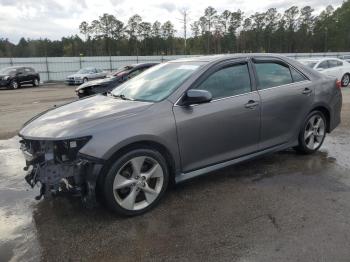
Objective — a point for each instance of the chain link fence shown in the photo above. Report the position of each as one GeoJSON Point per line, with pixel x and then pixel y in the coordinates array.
{"type": "Point", "coordinates": [58, 68]}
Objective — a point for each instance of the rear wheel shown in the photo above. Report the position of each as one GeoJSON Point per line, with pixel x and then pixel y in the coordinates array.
{"type": "Point", "coordinates": [136, 182]}
{"type": "Point", "coordinates": [85, 80]}
{"type": "Point", "coordinates": [313, 133]}
{"type": "Point", "coordinates": [36, 82]}
{"type": "Point", "coordinates": [345, 81]}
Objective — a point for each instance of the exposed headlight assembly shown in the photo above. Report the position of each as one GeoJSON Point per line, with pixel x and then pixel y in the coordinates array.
{"type": "Point", "coordinates": [67, 150]}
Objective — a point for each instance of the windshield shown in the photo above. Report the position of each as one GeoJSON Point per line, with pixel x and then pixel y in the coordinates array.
{"type": "Point", "coordinates": [7, 71]}
{"type": "Point", "coordinates": [85, 71]}
{"type": "Point", "coordinates": [310, 64]}
{"type": "Point", "coordinates": [125, 68]}
{"type": "Point", "coordinates": [156, 83]}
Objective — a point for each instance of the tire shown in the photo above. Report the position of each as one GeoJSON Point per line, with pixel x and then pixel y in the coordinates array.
{"type": "Point", "coordinates": [345, 81]}
{"type": "Point", "coordinates": [312, 133]}
{"type": "Point", "coordinates": [35, 82]}
{"type": "Point", "coordinates": [130, 188]}
{"type": "Point", "coordinates": [14, 84]}
{"type": "Point", "coordinates": [85, 80]}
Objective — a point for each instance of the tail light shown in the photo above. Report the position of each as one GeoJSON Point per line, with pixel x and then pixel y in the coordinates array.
{"type": "Point", "coordinates": [338, 84]}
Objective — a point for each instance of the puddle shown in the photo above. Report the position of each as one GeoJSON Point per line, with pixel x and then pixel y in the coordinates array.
{"type": "Point", "coordinates": [18, 238]}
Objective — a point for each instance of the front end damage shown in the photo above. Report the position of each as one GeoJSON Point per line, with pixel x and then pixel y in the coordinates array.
{"type": "Point", "coordinates": [59, 168]}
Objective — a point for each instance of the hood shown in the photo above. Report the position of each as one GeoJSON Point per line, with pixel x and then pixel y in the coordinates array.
{"type": "Point", "coordinates": [78, 118]}
{"type": "Point", "coordinates": [98, 82]}
{"type": "Point", "coordinates": [3, 75]}
{"type": "Point", "coordinates": [77, 75]}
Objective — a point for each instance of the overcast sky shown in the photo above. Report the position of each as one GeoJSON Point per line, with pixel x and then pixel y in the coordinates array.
{"type": "Point", "coordinates": [56, 18]}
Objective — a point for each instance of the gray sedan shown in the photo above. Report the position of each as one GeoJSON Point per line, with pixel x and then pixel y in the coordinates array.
{"type": "Point", "coordinates": [176, 121]}
{"type": "Point", "coordinates": [84, 75]}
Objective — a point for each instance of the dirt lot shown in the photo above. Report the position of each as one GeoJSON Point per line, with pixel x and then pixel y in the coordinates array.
{"type": "Point", "coordinates": [282, 207]}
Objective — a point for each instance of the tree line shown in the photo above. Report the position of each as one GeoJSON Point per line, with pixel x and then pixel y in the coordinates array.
{"type": "Point", "coordinates": [297, 29]}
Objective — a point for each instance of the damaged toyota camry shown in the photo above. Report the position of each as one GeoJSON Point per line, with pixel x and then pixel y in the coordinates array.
{"type": "Point", "coordinates": [176, 121]}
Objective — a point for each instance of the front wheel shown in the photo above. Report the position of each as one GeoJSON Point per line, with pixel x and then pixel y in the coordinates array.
{"type": "Point", "coordinates": [313, 133]}
{"type": "Point", "coordinates": [14, 84]}
{"type": "Point", "coordinates": [136, 182]}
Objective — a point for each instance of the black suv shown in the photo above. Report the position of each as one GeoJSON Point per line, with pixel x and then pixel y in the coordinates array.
{"type": "Point", "coordinates": [14, 77]}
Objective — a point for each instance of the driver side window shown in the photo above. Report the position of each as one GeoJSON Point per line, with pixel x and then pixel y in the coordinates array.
{"type": "Point", "coordinates": [228, 81]}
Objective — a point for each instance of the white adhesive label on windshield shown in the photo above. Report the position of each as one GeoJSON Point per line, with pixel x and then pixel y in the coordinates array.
{"type": "Point", "coordinates": [188, 67]}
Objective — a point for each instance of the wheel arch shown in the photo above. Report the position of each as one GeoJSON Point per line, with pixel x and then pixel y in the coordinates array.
{"type": "Point", "coordinates": [326, 112]}
{"type": "Point", "coordinates": [162, 149]}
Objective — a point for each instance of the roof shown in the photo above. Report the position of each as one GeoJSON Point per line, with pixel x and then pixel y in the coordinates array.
{"type": "Point", "coordinates": [213, 58]}
{"type": "Point", "coordinates": [317, 59]}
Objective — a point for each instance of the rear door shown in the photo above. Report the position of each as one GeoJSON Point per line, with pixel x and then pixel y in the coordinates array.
{"type": "Point", "coordinates": [286, 97]}
{"type": "Point", "coordinates": [29, 74]}
{"type": "Point", "coordinates": [227, 127]}
{"type": "Point", "coordinates": [334, 69]}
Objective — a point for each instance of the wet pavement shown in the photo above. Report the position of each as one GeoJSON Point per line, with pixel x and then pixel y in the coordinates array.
{"type": "Point", "coordinates": [282, 207]}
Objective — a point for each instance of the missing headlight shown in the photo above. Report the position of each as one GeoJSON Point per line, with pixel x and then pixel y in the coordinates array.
{"type": "Point", "coordinates": [67, 150]}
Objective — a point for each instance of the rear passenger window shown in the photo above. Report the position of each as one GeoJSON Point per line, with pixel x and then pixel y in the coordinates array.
{"type": "Point", "coordinates": [229, 81]}
{"type": "Point", "coordinates": [297, 76]}
{"type": "Point", "coordinates": [272, 74]}
{"type": "Point", "coordinates": [332, 63]}
{"type": "Point", "coordinates": [28, 69]}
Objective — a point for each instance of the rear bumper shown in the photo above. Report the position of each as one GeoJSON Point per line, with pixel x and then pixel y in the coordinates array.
{"type": "Point", "coordinates": [335, 119]}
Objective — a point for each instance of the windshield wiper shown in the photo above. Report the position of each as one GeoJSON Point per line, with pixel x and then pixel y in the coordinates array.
{"type": "Point", "coordinates": [121, 96]}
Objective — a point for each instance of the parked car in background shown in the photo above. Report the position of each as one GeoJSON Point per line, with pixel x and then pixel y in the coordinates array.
{"type": "Point", "coordinates": [84, 75]}
{"type": "Point", "coordinates": [345, 57]}
{"type": "Point", "coordinates": [176, 121]}
{"type": "Point", "coordinates": [14, 77]}
{"type": "Point", "coordinates": [113, 80]}
{"type": "Point", "coordinates": [332, 67]}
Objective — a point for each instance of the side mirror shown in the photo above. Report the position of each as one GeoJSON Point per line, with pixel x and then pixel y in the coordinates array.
{"type": "Point", "coordinates": [195, 96]}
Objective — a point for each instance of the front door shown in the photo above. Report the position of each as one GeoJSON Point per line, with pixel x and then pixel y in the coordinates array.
{"type": "Point", "coordinates": [225, 128]}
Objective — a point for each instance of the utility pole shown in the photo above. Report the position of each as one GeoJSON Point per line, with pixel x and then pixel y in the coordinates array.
{"type": "Point", "coordinates": [184, 21]}
{"type": "Point", "coordinates": [326, 39]}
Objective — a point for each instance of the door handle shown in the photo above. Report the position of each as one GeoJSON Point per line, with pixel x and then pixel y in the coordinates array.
{"type": "Point", "coordinates": [251, 104]}
{"type": "Point", "coordinates": [307, 91]}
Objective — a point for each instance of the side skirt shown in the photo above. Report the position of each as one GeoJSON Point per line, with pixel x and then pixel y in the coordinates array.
{"type": "Point", "coordinates": [199, 172]}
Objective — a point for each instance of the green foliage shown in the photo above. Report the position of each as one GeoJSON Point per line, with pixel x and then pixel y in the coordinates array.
{"type": "Point", "coordinates": [295, 30]}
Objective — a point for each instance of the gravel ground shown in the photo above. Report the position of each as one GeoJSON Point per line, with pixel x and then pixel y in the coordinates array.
{"type": "Point", "coordinates": [282, 207]}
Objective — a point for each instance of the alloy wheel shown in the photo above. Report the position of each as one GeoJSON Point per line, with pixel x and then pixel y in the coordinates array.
{"type": "Point", "coordinates": [138, 183]}
{"type": "Point", "coordinates": [346, 80]}
{"type": "Point", "coordinates": [14, 85]}
{"type": "Point", "coordinates": [36, 82]}
{"type": "Point", "coordinates": [315, 132]}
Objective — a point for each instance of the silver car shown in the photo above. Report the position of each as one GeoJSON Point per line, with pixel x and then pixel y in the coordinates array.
{"type": "Point", "coordinates": [84, 75]}
{"type": "Point", "coordinates": [176, 121]}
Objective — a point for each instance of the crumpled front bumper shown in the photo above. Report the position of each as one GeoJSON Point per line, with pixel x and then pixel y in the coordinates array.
{"type": "Point", "coordinates": [78, 177]}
